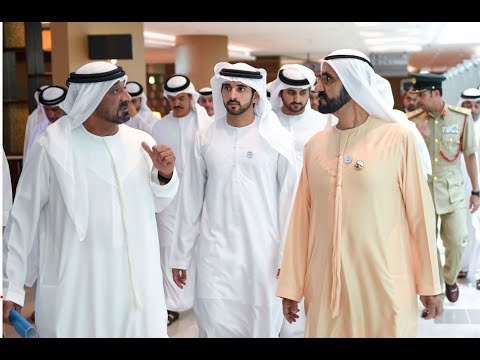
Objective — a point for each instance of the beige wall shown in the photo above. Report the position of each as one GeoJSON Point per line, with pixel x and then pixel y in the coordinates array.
{"type": "Point", "coordinates": [70, 47]}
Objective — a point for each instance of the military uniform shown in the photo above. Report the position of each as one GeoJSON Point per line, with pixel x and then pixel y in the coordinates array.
{"type": "Point", "coordinates": [451, 132]}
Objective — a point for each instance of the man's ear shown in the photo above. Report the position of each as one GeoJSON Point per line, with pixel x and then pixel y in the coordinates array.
{"type": "Point", "coordinates": [256, 97]}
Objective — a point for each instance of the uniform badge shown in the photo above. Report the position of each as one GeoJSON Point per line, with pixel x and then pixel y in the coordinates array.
{"type": "Point", "coordinates": [450, 129]}
{"type": "Point", "coordinates": [446, 129]}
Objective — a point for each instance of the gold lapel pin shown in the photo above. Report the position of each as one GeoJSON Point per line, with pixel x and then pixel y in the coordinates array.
{"type": "Point", "coordinates": [359, 165]}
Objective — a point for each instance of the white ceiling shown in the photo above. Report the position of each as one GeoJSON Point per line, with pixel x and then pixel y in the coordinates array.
{"type": "Point", "coordinates": [432, 46]}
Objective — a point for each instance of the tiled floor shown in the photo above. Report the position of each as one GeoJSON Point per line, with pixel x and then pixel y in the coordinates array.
{"type": "Point", "coordinates": [459, 320]}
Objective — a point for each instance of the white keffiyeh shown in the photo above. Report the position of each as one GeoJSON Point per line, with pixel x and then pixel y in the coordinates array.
{"type": "Point", "coordinates": [374, 94]}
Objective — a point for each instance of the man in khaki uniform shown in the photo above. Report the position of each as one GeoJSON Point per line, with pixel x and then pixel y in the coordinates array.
{"type": "Point", "coordinates": [448, 131]}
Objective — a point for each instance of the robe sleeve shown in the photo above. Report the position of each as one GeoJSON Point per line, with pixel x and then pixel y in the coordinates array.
{"type": "Point", "coordinates": [189, 211]}
{"type": "Point", "coordinates": [421, 221]}
{"type": "Point", "coordinates": [163, 194]}
{"type": "Point", "coordinates": [6, 190]}
{"type": "Point", "coordinates": [469, 145]}
{"type": "Point", "coordinates": [31, 196]}
{"type": "Point", "coordinates": [295, 256]}
{"type": "Point", "coordinates": [30, 121]}
{"type": "Point", "coordinates": [286, 178]}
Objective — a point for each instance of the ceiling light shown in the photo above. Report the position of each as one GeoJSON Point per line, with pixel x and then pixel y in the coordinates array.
{"type": "Point", "coordinates": [238, 52]}
{"type": "Point", "coordinates": [152, 43]}
{"type": "Point", "coordinates": [411, 69]}
{"type": "Point", "coordinates": [368, 24]}
{"type": "Point", "coordinates": [157, 36]}
{"type": "Point", "coordinates": [153, 40]}
{"type": "Point", "coordinates": [409, 31]}
{"type": "Point", "coordinates": [395, 48]}
{"type": "Point", "coordinates": [384, 40]}
{"type": "Point", "coordinates": [459, 33]}
{"type": "Point", "coordinates": [369, 34]}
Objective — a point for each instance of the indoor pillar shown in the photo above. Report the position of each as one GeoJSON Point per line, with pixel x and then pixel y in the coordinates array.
{"type": "Point", "coordinates": [196, 55]}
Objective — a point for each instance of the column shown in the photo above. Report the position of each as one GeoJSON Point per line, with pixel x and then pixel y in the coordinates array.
{"type": "Point", "coordinates": [196, 55]}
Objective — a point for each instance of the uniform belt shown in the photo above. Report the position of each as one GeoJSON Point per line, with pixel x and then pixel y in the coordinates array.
{"type": "Point", "coordinates": [443, 174]}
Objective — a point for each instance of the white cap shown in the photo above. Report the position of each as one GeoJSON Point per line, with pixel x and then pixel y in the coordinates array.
{"type": "Point", "coordinates": [471, 94]}
{"type": "Point", "coordinates": [52, 95]}
{"type": "Point", "coordinates": [290, 76]}
{"type": "Point", "coordinates": [134, 89]}
{"type": "Point", "coordinates": [205, 91]}
{"type": "Point", "coordinates": [178, 84]}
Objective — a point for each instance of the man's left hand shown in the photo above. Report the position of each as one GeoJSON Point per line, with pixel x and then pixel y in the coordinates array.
{"type": "Point", "coordinates": [290, 310]}
{"type": "Point", "coordinates": [433, 305]}
{"type": "Point", "coordinates": [474, 203]}
{"type": "Point", "coordinates": [163, 158]}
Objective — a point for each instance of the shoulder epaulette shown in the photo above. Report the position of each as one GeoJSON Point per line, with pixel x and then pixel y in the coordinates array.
{"type": "Point", "coordinates": [414, 113]}
{"type": "Point", "coordinates": [460, 109]}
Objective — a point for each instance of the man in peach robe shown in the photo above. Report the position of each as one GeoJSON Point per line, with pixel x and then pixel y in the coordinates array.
{"type": "Point", "coordinates": [361, 239]}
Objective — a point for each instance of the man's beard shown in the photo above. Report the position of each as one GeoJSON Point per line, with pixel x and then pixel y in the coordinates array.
{"type": "Point", "coordinates": [122, 115]}
{"type": "Point", "coordinates": [328, 105]}
{"type": "Point", "coordinates": [292, 107]}
{"type": "Point", "coordinates": [240, 110]}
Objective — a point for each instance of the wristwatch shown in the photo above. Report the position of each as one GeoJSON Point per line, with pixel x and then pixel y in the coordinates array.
{"type": "Point", "coordinates": [476, 193]}
{"type": "Point", "coordinates": [163, 179]}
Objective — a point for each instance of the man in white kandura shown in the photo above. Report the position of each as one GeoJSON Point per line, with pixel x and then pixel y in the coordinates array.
{"type": "Point", "coordinates": [206, 100]}
{"type": "Point", "coordinates": [235, 199]}
{"type": "Point", "coordinates": [141, 116]}
{"type": "Point", "coordinates": [92, 184]}
{"type": "Point", "coordinates": [35, 117]}
{"type": "Point", "coordinates": [51, 99]}
{"type": "Point", "coordinates": [470, 264]}
{"type": "Point", "coordinates": [7, 197]}
{"type": "Point", "coordinates": [177, 130]}
{"type": "Point", "coordinates": [290, 98]}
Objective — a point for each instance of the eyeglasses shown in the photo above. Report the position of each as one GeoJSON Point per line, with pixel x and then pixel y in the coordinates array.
{"type": "Point", "coordinates": [326, 79]}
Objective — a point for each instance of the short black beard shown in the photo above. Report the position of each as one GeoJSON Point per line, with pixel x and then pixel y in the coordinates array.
{"type": "Point", "coordinates": [121, 119]}
{"type": "Point", "coordinates": [241, 110]}
{"type": "Point", "coordinates": [327, 105]}
{"type": "Point", "coordinates": [122, 114]}
{"type": "Point", "coordinates": [292, 109]}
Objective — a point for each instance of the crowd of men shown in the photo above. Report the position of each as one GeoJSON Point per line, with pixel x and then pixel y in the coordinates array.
{"type": "Point", "coordinates": [235, 204]}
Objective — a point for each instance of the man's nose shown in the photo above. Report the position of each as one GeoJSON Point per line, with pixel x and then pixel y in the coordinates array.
{"type": "Point", "coordinates": [319, 87]}
{"type": "Point", "coordinates": [126, 96]}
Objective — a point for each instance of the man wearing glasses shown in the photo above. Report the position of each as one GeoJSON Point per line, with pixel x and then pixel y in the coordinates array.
{"type": "Point", "coordinates": [360, 244]}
